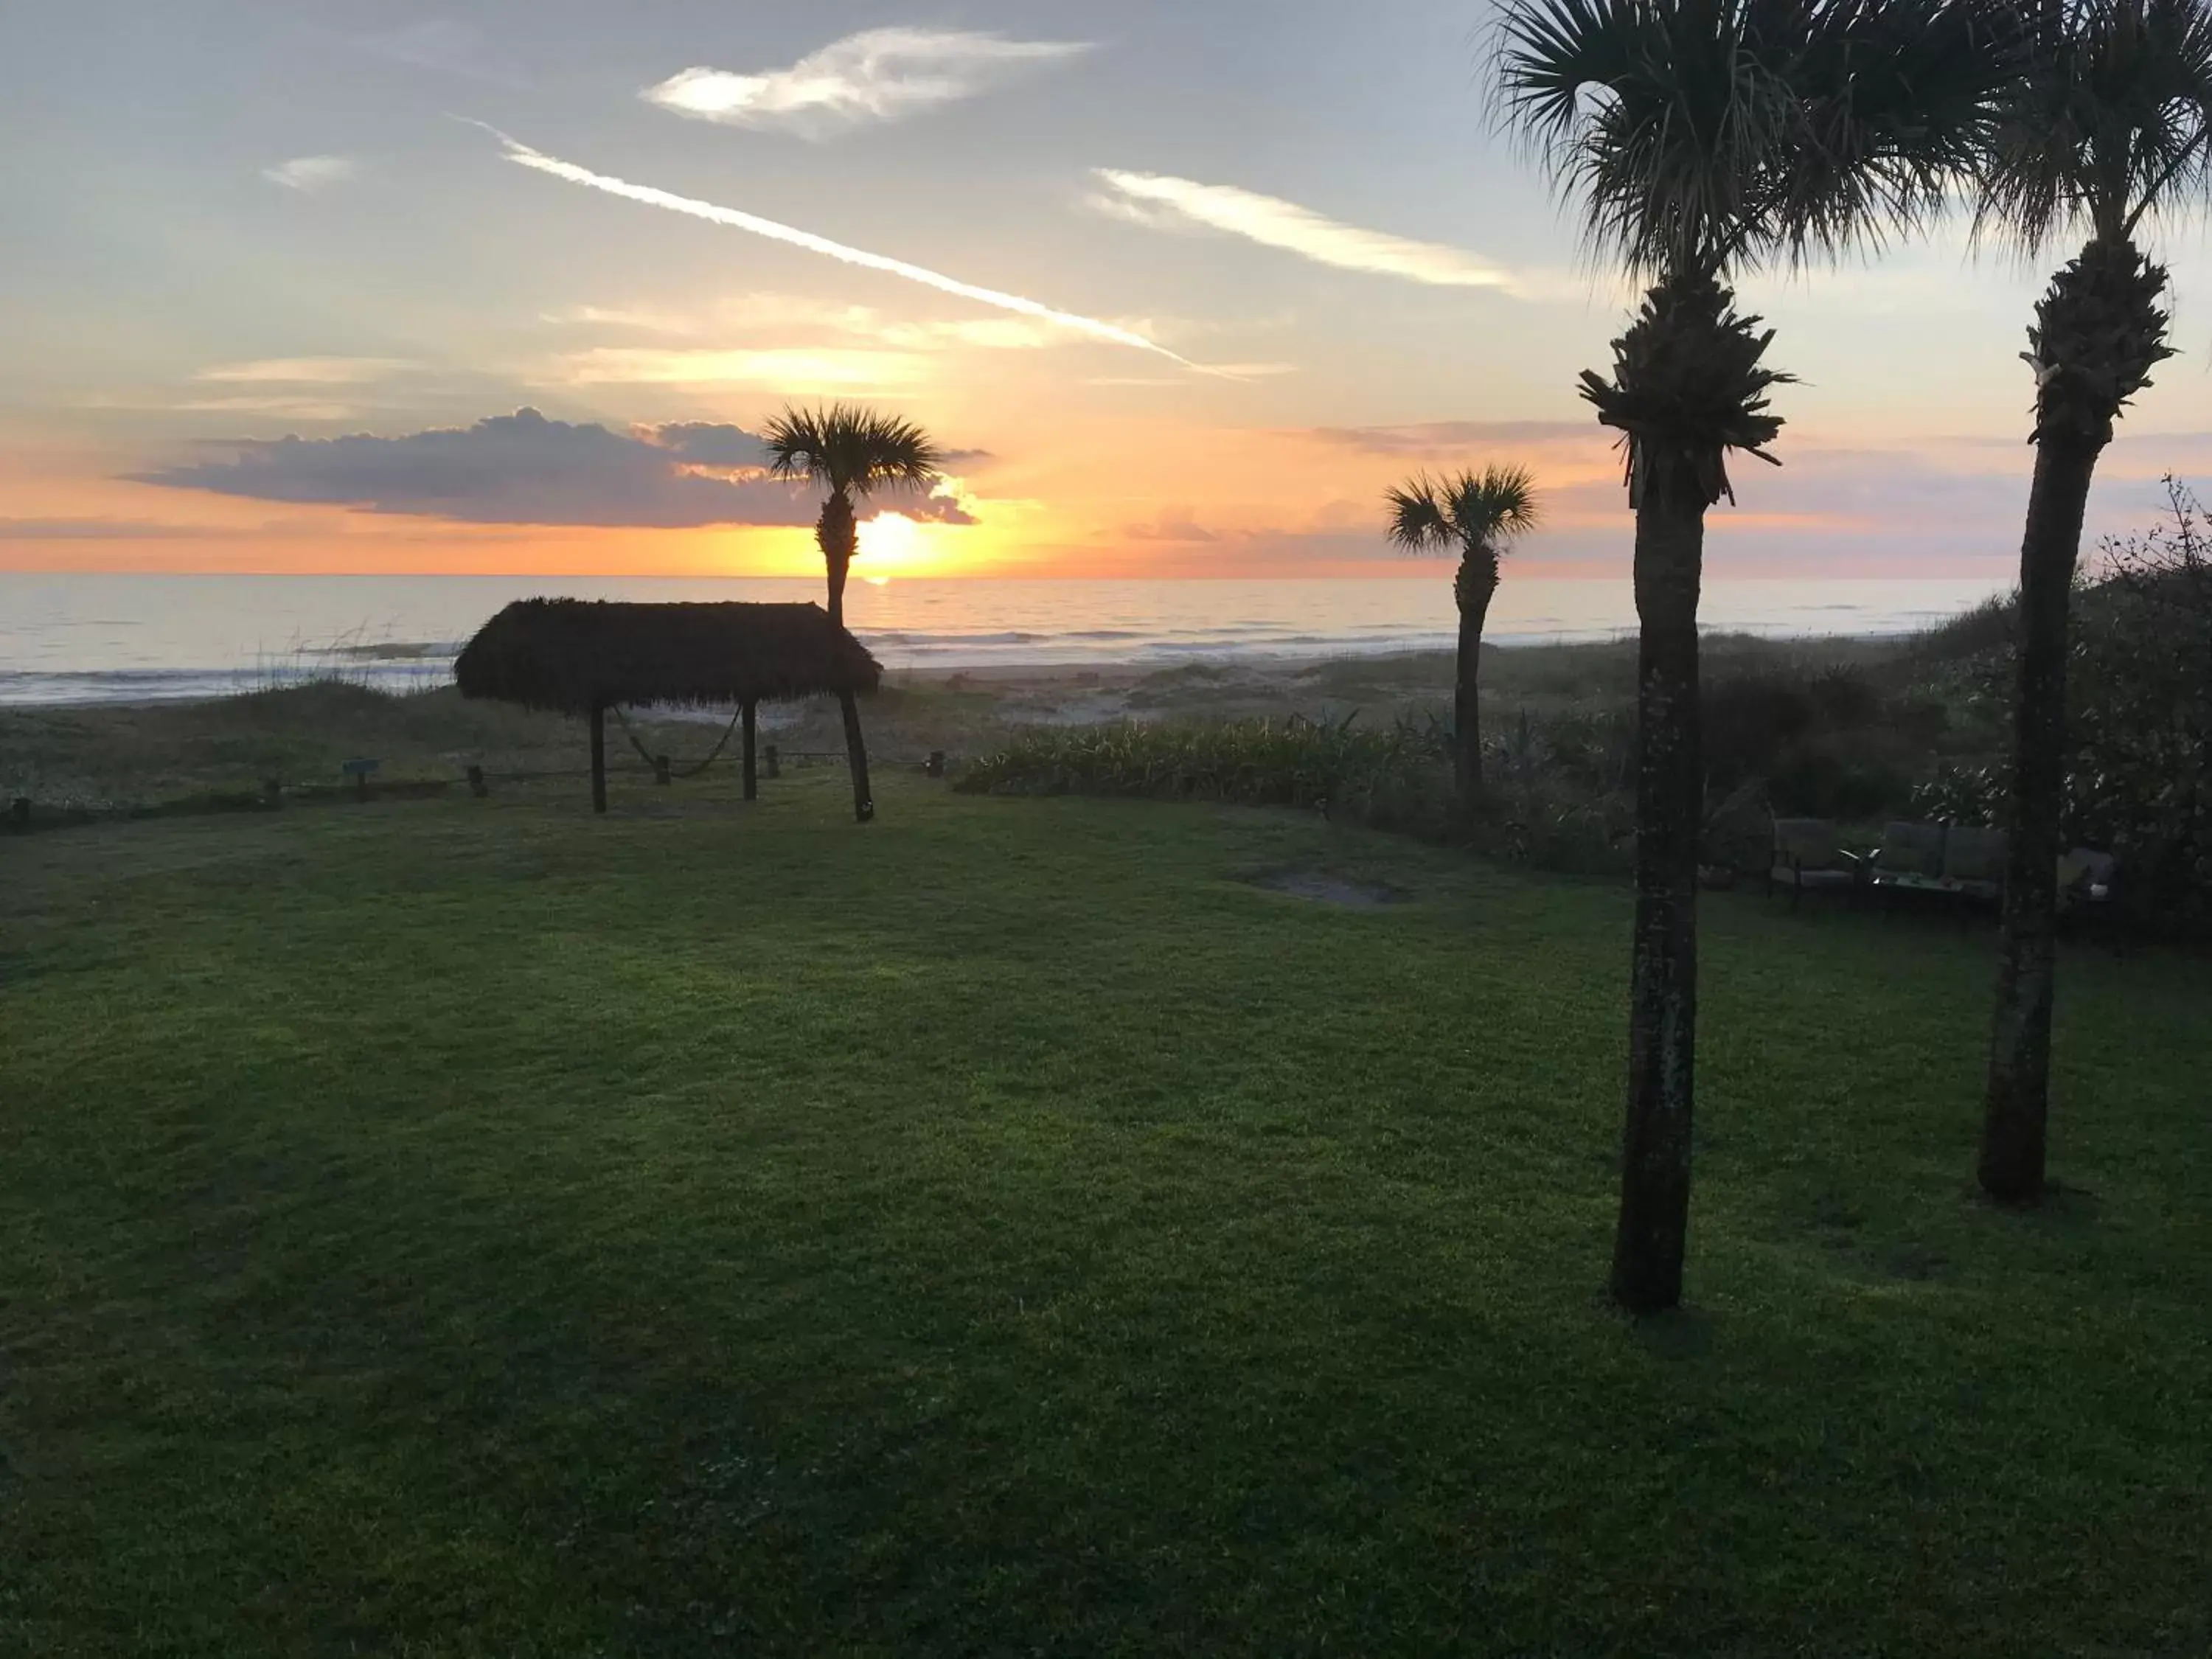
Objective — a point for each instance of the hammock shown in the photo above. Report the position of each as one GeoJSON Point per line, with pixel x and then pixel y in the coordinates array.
{"type": "Point", "coordinates": [654, 760]}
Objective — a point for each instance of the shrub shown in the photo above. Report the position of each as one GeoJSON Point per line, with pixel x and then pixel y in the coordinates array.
{"type": "Point", "coordinates": [1845, 699]}
{"type": "Point", "coordinates": [1747, 721]}
{"type": "Point", "coordinates": [1959, 794]}
{"type": "Point", "coordinates": [1990, 626]}
{"type": "Point", "coordinates": [1397, 771]}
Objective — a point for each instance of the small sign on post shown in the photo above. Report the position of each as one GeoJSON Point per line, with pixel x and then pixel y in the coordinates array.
{"type": "Point", "coordinates": [359, 770]}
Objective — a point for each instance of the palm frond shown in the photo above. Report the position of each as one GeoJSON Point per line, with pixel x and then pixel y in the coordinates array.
{"type": "Point", "coordinates": [1696, 133]}
{"type": "Point", "coordinates": [850, 450]}
{"type": "Point", "coordinates": [1419, 517]}
{"type": "Point", "coordinates": [2105, 119]}
{"type": "Point", "coordinates": [1491, 507]}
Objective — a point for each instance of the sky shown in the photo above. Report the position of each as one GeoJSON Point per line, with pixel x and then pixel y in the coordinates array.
{"type": "Point", "coordinates": [510, 287]}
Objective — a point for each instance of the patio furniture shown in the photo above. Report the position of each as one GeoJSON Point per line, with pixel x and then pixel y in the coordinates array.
{"type": "Point", "coordinates": [1807, 858]}
{"type": "Point", "coordinates": [1910, 858]}
{"type": "Point", "coordinates": [1957, 864]}
{"type": "Point", "coordinates": [2085, 879]}
{"type": "Point", "coordinates": [1974, 862]}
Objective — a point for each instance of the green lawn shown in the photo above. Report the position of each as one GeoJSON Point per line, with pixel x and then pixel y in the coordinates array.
{"type": "Point", "coordinates": [465, 1227]}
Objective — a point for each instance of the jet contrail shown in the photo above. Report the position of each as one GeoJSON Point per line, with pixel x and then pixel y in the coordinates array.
{"type": "Point", "coordinates": [523, 155]}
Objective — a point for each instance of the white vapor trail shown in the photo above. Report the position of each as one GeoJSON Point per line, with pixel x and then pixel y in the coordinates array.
{"type": "Point", "coordinates": [1268, 220]}
{"type": "Point", "coordinates": [523, 155]}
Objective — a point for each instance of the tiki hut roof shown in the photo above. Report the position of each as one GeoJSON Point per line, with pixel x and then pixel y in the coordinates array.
{"type": "Point", "coordinates": [574, 655]}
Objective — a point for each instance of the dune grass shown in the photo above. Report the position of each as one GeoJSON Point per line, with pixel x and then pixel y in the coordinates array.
{"type": "Point", "coordinates": [463, 1227]}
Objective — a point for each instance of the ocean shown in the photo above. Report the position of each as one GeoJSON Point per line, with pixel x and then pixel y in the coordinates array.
{"type": "Point", "coordinates": [71, 637]}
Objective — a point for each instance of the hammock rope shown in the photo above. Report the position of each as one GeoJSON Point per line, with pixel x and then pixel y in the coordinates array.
{"type": "Point", "coordinates": [654, 760]}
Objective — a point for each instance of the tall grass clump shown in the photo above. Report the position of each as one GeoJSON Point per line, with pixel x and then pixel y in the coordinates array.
{"type": "Point", "coordinates": [1988, 626]}
{"type": "Point", "coordinates": [1397, 774]}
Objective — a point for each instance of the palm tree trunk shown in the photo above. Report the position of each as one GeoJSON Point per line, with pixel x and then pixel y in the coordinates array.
{"type": "Point", "coordinates": [751, 769]}
{"type": "Point", "coordinates": [856, 750]}
{"type": "Point", "coordinates": [1654, 1170]}
{"type": "Point", "coordinates": [837, 535]}
{"type": "Point", "coordinates": [1474, 599]}
{"type": "Point", "coordinates": [2016, 1107]}
{"type": "Point", "coordinates": [2099, 330]}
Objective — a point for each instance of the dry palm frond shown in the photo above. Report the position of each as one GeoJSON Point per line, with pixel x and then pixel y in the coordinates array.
{"type": "Point", "coordinates": [1688, 385]}
{"type": "Point", "coordinates": [2100, 331]}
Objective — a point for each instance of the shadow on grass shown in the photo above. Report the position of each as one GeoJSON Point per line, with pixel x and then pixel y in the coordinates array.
{"type": "Point", "coordinates": [1679, 1334]}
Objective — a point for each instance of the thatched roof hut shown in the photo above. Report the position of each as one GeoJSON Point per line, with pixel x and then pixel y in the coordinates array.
{"type": "Point", "coordinates": [575, 655]}
{"type": "Point", "coordinates": [581, 657]}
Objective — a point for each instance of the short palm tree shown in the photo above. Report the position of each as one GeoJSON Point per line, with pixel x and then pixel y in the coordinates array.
{"type": "Point", "coordinates": [1480, 514]}
{"type": "Point", "coordinates": [850, 451]}
{"type": "Point", "coordinates": [2103, 124]}
{"type": "Point", "coordinates": [1703, 136]}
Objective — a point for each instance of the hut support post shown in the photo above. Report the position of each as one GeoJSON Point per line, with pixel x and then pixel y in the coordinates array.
{"type": "Point", "coordinates": [856, 748]}
{"type": "Point", "coordinates": [753, 776]}
{"type": "Point", "coordinates": [599, 757]}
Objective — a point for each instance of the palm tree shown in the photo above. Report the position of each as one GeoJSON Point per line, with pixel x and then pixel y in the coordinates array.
{"type": "Point", "coordinates": [2105, 121]}
{"type": "Point", "coordinates": [1704, 136]}
{"type": "Point", "coordinates": [1478, 513]}
{"type": "Point", "coordinates": [850, 451]}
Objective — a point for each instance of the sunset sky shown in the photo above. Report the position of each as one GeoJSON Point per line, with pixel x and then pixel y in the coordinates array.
{"type": "Point", "coordinates": [1182, 288]}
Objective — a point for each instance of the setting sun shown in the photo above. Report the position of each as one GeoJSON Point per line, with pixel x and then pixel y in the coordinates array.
{"type": "Point", "coordinates": [892, 544]}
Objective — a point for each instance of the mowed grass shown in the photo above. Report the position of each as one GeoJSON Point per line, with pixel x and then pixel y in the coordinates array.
{"type": "Point", "coordinates": [465, 1227]}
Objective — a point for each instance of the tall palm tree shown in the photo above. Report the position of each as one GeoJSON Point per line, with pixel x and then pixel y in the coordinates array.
{"type": "Point", "coordinates": [2105, 122]}
{"type": "Point", "coordinates": [1478, 513]}
{"type": "Point", "coordinates": [1703, 136]}
{"type": "Point", "coordinates": [850, 451]}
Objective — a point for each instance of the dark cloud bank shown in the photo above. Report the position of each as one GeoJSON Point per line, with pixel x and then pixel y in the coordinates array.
{"type": "Point", "coordinates": [525, 469]}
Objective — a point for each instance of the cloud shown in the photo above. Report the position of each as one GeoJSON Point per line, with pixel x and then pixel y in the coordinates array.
{"type": "Point", "coordinates": [310, 173]}
{"type": "Point", "coordinates": [874, 77]}
{"type": "Point", "coordinates": [645, 319]}
{"type": "Point", "coordinates": [718, 444]}
{"type": "Point", "coordinates": [1174, 524]}
{"type": "Point", "coordinates": [711, 443]}
{"type": "Point", "coordinates": [1452, 437]}
{"type": "Point", "coordinates": [290, 409]}
{"type": "Point", "coordinates": [526, 469]}
{"type": "Point", "coordinates": [96, 530]}
{"type": "Point", "coordinates": [1164, 204]}
{"type": "Point", "coordinates": [307, 371]}
{"type": "Point", "coordinates": [523, 155]}
{"type": "Point", "coordinates": [780, 314]}
{"type": "Point", "coordinates": [798, 371]}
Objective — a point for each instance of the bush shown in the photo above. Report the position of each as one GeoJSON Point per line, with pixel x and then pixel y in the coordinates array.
{"type": "Point", "coordinates": [1748, 720]}
{"type": "Point", "coordinates": [2139, 714]}
{"type": "Point", "coordinates": [1393, 774]}
{"type": "Point", "coordinates": [1959, 794]}
{"type": "Point", "coordinates": [1990, 626]}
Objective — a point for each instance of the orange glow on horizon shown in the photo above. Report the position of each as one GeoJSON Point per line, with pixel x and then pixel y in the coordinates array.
{"type": "Point", "coordinates": [1122, 499]}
